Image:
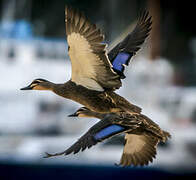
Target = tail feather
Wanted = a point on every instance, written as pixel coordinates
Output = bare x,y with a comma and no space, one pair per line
165,136
155,129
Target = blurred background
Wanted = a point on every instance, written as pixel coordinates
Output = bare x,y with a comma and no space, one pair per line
161,79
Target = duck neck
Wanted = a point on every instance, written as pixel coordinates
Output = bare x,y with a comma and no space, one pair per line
61,90
96,114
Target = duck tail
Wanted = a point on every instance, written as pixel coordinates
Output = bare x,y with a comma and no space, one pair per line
165,136
155,129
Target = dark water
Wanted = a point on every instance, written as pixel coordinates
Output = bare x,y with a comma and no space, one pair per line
35,172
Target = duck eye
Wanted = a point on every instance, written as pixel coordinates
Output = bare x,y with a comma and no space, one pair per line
68,48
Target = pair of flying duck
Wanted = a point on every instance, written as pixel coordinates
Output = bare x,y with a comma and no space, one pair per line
96,74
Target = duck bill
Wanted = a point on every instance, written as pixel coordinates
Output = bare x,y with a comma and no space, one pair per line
27,88
73,115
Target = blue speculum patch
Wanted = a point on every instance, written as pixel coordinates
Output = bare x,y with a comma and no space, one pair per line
121,58
108,131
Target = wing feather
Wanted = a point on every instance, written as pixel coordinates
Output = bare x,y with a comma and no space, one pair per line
90,65
139,149
102,130
93,136
132,42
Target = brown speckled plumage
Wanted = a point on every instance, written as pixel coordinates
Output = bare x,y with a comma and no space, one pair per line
103,102
142,135
96,74
94,79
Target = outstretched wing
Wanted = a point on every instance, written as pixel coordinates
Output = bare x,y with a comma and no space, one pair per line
139,149
91,67
100,131
121,54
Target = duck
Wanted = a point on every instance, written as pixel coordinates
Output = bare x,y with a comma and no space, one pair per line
96,73
142,135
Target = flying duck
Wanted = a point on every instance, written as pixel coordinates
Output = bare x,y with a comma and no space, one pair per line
142,135
96,74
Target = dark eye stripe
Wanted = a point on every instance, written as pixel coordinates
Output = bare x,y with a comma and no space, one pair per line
36,82
83,109
39,81
33,85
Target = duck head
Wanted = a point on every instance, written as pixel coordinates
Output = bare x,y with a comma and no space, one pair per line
39,84
85,112
81,112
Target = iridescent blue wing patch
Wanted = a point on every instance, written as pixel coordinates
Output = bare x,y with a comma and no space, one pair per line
120,60
97,133
108,131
